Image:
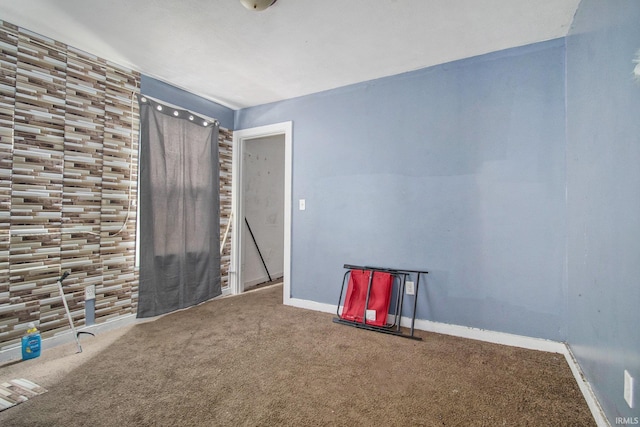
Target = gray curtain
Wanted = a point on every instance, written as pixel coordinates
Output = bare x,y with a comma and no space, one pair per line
179,209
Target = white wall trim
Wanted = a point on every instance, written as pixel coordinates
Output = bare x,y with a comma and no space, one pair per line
486,335
585,388
455,330
236,282
15,352
311,305
495,337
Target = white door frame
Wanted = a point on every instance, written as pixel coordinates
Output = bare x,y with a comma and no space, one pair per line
236,281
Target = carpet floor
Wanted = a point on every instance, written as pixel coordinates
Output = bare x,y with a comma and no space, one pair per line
251,361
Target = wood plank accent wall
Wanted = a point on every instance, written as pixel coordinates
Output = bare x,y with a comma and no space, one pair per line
225,149
68,183
8,65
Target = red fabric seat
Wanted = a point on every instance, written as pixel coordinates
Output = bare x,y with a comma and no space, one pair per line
379,297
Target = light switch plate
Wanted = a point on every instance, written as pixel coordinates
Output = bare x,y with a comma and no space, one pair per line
302,205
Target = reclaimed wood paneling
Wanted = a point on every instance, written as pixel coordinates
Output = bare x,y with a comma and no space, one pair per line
8,66
225,146
119,290
69,125
82,190
36,194
68,183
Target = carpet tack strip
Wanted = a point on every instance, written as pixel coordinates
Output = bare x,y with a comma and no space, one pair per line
17,391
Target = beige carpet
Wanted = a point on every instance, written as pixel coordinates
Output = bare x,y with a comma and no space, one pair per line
250,361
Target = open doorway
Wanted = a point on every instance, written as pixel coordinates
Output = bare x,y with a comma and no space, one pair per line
263,202
251,147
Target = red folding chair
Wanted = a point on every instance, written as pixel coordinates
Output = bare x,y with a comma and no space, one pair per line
377,300
368,297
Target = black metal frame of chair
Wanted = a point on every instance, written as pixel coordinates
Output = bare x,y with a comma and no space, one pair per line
389,328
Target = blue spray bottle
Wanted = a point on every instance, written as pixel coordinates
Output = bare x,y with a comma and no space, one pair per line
31,343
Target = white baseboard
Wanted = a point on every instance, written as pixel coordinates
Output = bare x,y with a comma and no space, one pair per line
15,352
585,388
486,335
454,330
311,305
495,337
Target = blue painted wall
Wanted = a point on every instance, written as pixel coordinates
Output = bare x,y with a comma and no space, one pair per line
187,100
525,214
603,198
458,169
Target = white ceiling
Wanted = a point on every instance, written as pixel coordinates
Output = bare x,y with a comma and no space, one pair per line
239,58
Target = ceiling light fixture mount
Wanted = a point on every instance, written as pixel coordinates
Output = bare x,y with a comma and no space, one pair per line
257,4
